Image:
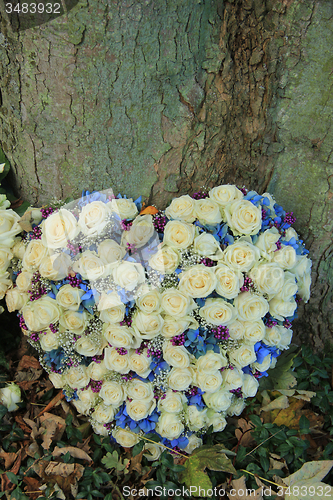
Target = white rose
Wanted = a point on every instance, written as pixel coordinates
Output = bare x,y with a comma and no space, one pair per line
243,217
55,267
177,356
104,413
180,379
304,285
271,200
173,402
198,281
281,309
59,228
268,278
289,288
169,426
216,420
196,419
251,307
129,275
15,299
82,408
267,242
178,234
302,271
33,255
140,363
40,313
193,443
97,371
23,281
236,330
49,341
243,356
98,428
110,251
19,248
290,233
112,393
90,266
218,312
139,409
120,336
149,301
207,211
9,227
264,365
176,326
125,208
57,379
225,194
241,255
147,326
87,398
5,283
254,331
219,400
87,346
232,378
286,336
141,231
250,386
152,451
125,437
5,258
176,303
77,377
74,321
137,389
112,309
69,297
93,218
286,257
10,396
209,382
206,245
236,407
229,282
181,208
115,361
210,362
165,260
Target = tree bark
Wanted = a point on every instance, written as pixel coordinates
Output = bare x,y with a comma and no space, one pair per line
162,97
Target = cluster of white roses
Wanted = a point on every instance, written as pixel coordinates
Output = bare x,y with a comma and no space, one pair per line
160,322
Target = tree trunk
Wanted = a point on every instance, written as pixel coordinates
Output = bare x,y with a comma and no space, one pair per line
162,97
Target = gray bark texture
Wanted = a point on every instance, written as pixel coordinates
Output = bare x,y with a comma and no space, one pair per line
162,97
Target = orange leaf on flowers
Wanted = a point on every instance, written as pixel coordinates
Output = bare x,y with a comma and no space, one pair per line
149,210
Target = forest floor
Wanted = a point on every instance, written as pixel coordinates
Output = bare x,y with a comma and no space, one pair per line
47,451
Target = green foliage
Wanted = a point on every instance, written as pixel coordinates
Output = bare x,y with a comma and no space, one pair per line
281,377
113,461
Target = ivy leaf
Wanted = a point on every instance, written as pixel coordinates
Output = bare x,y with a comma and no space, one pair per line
212,457
281,376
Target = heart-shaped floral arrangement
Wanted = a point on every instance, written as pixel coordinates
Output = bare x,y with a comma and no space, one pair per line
158,321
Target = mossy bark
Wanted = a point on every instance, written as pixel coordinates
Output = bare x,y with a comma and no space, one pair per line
159,98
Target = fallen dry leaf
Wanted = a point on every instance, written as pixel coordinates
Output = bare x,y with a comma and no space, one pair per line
239,490
32,485
20,421
9,458
243,432
6,484
73,451
54,428
135,463
28,362
52,403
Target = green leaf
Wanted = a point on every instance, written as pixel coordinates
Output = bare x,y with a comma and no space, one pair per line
22,208
12,477
111,460
256,420
3,159
137,448
206,456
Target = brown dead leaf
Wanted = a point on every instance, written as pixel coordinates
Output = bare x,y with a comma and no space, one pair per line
19,420
243,433
28,362
59,469
276,462
32,485
135,463
6,484
9,458
52,403
27,219
73,451
266,490
28,376
239,490
291,416
54,428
